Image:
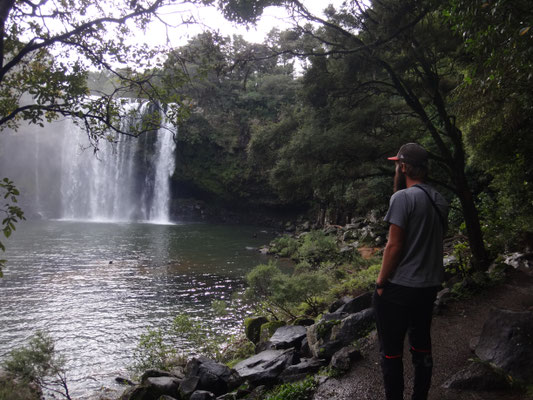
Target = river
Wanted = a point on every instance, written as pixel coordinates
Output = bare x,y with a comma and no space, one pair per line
96,287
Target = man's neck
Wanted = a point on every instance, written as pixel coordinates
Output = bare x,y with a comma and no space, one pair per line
411,182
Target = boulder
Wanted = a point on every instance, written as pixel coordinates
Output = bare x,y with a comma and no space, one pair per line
212,376
265,367
202,395
357,304
154,373
342,359
153,388
330,335
299,371
477,376
252,328
188,386
288,336
506,341
269,328
339,303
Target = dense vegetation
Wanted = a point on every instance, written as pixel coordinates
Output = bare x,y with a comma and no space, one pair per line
454,76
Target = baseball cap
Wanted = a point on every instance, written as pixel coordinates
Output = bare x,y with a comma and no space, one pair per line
411,153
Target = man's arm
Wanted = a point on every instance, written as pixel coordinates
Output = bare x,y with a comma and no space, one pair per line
391,255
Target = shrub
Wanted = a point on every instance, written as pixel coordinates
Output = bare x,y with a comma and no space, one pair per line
39,364
270,290
362,280
285,246
317,246
302,390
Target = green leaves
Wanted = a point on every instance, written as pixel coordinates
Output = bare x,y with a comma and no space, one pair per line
12,213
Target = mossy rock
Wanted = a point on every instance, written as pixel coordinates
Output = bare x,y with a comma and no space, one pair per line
268,329
303,321
252,328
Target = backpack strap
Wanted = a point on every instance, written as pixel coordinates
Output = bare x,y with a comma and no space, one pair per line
441,217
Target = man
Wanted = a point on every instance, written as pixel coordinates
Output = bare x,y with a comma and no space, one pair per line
411,273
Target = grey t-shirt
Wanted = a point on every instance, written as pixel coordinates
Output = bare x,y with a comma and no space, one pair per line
421,260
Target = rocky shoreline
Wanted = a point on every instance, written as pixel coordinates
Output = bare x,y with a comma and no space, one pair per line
338,342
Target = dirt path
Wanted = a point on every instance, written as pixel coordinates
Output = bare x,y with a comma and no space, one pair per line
452,332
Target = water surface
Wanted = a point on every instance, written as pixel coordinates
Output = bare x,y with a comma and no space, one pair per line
96,287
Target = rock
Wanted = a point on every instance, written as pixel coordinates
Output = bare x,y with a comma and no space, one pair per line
166,397
265,367
202,395
153,388
477,376
252,328
506,341
299,371
303,321
188,386
154,373
472,344
443,297
163,385
268,329
330,335
339,303
288,336
124,381
519,260
213,377
342,359
357,304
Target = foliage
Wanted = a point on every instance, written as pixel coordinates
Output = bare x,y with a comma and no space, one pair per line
48,48
302,390
280,295
285,246
360,281
13,390
316,247
160,347
38,363
12,213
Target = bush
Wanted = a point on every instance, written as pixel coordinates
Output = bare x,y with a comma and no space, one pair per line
285,246
362,280
302,390
38,363
317,246
270,290
158,348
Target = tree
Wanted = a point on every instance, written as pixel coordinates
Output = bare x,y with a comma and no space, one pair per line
496,106
404,49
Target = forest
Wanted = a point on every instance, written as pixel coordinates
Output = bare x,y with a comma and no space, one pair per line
302,123
305,121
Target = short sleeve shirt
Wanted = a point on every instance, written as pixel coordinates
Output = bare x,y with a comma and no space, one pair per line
421,259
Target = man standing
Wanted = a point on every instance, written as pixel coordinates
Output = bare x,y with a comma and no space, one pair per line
411,273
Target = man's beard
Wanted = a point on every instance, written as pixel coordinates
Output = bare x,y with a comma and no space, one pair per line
399,180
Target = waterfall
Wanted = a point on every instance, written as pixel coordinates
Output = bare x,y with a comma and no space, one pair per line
61,176
123,181
164,168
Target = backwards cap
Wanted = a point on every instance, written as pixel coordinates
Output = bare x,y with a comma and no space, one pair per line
412,153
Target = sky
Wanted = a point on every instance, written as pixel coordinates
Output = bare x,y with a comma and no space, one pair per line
211,18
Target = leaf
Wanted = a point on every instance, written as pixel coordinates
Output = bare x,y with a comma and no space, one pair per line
525,30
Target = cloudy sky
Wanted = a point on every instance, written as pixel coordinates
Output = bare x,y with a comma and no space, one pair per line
209,18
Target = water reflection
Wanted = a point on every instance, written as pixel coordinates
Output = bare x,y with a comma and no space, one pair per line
97,287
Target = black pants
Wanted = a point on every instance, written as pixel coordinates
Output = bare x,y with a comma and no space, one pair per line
400,310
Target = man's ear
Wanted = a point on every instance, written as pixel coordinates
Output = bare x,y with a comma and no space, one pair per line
403,167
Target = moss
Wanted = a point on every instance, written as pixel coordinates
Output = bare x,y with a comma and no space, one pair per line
252,328
268,329
323,329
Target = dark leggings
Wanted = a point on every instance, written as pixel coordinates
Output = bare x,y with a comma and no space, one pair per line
399,311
